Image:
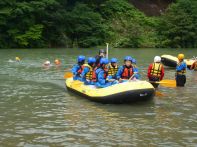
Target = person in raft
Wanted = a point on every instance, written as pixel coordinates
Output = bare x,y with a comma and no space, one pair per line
102,54
88,74
135,68
112,69
181,71
126,71
78,68
101,74
156,71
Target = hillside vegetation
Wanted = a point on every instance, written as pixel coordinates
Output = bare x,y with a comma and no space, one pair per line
88,23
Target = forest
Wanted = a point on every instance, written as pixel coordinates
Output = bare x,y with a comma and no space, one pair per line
90,23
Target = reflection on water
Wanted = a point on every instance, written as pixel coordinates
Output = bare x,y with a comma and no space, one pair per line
37,110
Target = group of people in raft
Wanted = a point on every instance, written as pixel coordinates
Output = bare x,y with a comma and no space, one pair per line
101,72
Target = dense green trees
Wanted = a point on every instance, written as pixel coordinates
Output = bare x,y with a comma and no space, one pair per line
86,23
178,27
84,27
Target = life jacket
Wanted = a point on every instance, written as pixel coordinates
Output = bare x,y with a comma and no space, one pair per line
80,69
89,75
94,74
182,72
105,73
112,70
127,72
156,69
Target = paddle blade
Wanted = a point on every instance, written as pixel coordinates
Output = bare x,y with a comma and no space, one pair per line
168,83
68,75
159,94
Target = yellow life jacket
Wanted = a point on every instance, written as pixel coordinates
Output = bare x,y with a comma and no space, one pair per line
156,69
182,72
90,73
112,70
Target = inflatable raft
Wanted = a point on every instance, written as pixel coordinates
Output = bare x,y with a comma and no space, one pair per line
127,92
171,61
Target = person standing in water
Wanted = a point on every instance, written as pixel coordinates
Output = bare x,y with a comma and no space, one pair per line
156,71
181,71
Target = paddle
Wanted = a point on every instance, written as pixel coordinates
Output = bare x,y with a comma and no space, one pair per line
159,94
107,50
166,83
132,77
68,75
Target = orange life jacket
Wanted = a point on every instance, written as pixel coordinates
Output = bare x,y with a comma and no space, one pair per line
81,69
127,72
94,75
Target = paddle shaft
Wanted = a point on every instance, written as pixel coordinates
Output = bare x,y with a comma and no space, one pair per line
132,77
107,50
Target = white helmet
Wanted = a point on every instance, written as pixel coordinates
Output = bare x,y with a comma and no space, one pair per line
47,63
157,59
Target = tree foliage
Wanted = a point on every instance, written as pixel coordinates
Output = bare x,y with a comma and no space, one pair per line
86,23
178,27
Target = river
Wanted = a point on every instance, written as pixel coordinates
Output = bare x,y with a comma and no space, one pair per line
37,110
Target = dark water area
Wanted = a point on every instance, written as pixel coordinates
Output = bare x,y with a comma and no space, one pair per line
37,110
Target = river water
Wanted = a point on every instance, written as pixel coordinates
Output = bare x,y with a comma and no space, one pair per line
37,110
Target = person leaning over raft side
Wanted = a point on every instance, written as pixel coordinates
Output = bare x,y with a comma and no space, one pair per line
77,69
102,54
112,69
194,66
135,68
156,71
88,74
101,74
126,71
181,71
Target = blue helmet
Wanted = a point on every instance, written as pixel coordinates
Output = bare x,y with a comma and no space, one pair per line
128,58
134,61
91,60
113,60
81,58
104,61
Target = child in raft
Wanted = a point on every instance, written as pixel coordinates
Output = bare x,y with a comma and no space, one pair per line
88,74
126,71
101,75
78,68
112,69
